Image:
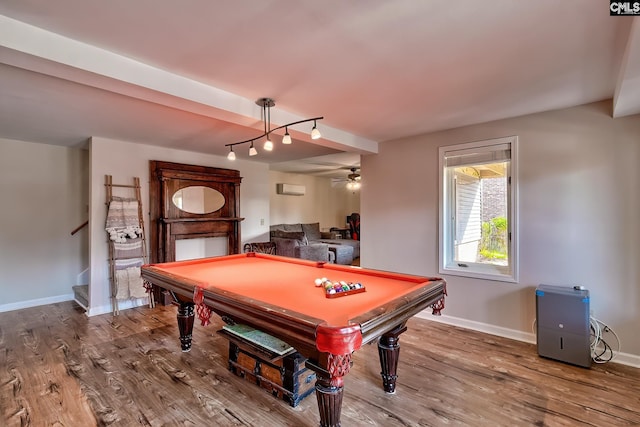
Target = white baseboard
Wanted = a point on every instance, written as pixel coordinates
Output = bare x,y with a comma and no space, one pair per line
627,359
122,305
94,311
35,302
622,358
481,327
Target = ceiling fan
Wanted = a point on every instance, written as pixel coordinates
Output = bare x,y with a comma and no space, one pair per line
353,180
354,175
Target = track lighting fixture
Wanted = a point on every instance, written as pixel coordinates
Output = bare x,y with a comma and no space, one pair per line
268,145
286,139
266,104
315,133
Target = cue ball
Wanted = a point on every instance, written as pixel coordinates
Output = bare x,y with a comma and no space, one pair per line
318,282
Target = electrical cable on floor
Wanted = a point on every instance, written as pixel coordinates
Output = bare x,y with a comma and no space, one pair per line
601,351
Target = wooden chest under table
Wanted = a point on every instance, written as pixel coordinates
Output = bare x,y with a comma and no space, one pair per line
283,375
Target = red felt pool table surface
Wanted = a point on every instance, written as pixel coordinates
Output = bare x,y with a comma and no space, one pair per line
290,284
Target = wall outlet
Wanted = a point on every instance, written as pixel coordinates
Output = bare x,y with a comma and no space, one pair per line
261,221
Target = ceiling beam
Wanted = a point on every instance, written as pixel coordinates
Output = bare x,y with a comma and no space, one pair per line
35,49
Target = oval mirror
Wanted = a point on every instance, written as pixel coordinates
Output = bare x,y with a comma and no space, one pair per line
197,199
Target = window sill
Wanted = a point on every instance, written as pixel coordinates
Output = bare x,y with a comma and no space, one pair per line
475,274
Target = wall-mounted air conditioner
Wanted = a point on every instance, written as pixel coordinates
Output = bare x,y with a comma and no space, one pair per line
290,189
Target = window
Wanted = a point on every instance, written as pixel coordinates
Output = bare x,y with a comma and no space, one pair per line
478,209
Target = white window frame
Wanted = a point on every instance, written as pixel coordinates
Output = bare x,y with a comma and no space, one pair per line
448,265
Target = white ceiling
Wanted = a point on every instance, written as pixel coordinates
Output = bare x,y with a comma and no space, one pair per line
186,74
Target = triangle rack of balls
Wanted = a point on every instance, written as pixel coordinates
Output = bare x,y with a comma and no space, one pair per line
335,289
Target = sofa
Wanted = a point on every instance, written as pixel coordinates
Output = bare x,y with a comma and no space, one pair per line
340,251
294,244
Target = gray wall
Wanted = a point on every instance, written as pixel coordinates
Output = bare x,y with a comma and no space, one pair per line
578,218
44,196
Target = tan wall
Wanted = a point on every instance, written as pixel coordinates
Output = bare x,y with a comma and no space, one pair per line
323,202
124,160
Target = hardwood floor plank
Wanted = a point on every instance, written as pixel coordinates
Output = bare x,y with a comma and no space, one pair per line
60,368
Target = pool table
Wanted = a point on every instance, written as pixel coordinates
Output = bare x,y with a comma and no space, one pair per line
279,296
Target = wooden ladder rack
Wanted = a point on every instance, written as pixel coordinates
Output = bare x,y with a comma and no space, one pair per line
112,253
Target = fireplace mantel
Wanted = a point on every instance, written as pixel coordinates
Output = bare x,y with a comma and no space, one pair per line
170,223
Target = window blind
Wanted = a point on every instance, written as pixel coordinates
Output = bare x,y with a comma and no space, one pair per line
478,155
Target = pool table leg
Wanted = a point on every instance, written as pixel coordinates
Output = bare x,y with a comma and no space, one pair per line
389,352
329,402
186,317
330,387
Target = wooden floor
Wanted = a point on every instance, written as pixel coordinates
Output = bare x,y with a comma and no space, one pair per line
60,368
